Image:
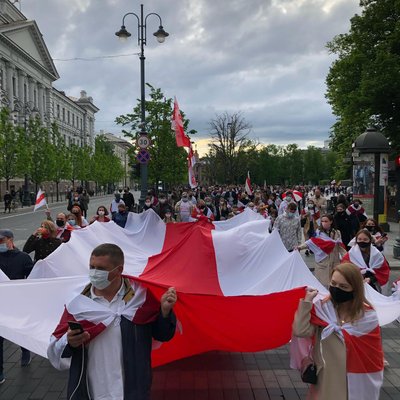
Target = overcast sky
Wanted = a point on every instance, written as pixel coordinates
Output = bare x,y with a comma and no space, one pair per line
265,58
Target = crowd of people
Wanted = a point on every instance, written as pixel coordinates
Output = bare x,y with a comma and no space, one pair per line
325,222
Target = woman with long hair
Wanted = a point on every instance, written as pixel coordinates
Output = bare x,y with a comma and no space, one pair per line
43,241
327,247
80,220
344,336
369,259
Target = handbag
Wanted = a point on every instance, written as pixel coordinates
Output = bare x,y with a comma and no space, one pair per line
308,370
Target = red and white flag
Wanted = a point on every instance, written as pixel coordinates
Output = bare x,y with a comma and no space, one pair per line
40,200
191,162
177,125
247,186
236,296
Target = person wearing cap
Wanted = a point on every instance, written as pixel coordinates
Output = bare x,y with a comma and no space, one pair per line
16,265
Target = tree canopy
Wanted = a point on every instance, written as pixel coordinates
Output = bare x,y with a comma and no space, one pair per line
363,83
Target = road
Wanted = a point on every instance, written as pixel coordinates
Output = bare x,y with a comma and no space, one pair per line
25,220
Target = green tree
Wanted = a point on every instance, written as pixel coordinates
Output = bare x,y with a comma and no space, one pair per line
36,142
9,147
168,162
363,84
107,167
59,163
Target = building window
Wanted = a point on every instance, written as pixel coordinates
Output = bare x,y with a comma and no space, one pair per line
1,79
35,97
65,139
25,93
63,114
14,87
58,111
68,115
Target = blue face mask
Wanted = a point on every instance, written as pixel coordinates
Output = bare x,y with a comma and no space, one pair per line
290,214
3,247
72,222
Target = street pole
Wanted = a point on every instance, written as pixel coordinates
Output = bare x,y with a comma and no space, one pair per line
143,166
160,35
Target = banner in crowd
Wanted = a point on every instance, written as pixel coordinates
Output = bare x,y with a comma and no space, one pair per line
238,287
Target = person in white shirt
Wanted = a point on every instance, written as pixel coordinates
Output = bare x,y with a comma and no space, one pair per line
110,348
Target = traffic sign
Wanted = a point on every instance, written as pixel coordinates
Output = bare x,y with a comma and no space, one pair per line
143,141
143,156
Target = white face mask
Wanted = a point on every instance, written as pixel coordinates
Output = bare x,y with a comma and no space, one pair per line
99,278
101,213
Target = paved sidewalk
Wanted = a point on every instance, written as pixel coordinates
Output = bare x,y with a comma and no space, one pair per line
211,376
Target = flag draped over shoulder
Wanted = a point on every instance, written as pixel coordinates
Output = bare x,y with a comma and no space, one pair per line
232,298
40,200
177,125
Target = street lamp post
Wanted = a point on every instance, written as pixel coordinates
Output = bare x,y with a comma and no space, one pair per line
28,110
123,34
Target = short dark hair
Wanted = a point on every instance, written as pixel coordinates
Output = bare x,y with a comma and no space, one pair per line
292,206
114,252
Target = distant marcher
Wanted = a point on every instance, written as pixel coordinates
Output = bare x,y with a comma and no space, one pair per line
84,199
43,241
80,220
7,198
345,223
128,199
101,215
121,216
289,228
114,204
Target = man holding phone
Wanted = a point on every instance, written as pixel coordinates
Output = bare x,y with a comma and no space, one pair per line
106,332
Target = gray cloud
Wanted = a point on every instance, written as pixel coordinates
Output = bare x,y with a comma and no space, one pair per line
266,58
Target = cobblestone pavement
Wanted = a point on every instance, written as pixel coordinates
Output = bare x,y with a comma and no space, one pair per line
213,376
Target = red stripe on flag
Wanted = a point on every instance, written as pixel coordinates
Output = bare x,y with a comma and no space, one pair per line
187,260
40,198
364,353
238,323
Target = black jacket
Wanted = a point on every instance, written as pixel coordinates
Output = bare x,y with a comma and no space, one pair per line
41,247
16,264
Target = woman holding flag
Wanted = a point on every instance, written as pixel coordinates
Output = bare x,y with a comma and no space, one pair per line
327,247
344,338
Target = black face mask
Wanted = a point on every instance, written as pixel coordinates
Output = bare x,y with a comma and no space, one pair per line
370,228
363,245
340,296
60,223
340,212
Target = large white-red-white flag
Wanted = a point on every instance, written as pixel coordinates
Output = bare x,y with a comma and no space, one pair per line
238,297
247,186
40,200
177,125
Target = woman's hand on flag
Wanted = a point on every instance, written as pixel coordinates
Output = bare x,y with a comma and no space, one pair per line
168,300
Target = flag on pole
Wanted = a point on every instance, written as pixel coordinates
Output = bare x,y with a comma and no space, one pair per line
177,125
40,200
248,185
191,162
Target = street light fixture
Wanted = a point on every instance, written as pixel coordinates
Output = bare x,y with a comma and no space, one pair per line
28,110
123,35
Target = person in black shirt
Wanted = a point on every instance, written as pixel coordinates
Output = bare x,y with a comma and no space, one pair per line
15,264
